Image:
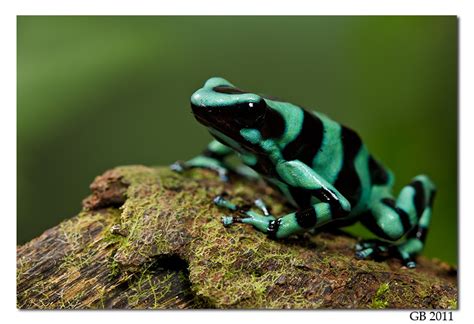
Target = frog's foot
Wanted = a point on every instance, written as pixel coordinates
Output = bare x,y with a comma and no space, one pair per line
202,162
261,222
371,249
380,250
245,215
407,251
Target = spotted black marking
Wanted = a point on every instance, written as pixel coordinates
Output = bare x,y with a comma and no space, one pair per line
348,182
273,227
274,125
378,175
228,90
403,215
308,142
306,218
419,198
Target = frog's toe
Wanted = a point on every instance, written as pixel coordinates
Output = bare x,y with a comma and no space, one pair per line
410,264
262,206
364,253
373,249
380,250
223,177
220,201
221,172
406,258
362,246
178,166
227,220
377,245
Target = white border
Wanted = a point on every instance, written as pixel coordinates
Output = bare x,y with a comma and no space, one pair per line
218,7
240,7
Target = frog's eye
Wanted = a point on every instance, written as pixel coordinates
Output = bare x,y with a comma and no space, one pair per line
250,114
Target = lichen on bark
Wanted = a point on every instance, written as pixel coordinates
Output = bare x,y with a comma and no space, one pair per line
151,238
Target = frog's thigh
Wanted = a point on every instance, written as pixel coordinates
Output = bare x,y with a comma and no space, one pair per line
391,219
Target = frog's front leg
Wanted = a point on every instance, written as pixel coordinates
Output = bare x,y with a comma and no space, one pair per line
292,223
212,158
303,179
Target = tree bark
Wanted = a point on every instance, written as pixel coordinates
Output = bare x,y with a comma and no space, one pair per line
151,238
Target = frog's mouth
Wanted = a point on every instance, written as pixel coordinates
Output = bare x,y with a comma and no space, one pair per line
216,117
204,115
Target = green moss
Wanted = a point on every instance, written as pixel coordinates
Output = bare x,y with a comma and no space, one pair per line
379,301
453,303
149,288
22,266
114,269
71,303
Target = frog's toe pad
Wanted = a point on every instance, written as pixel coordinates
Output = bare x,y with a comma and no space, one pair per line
364,253
373,249
178,166
410,264
227,220
407,259
222,202
223,176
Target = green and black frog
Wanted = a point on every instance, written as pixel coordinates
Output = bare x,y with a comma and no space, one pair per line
322,167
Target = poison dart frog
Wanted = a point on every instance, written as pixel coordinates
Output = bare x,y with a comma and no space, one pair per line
322,168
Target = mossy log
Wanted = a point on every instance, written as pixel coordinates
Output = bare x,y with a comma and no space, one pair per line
151,238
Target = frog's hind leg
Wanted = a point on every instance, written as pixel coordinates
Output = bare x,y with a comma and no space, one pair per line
409,215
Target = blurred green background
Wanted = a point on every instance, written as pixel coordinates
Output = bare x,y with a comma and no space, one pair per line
98,92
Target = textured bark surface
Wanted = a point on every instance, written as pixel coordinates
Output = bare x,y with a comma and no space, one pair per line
151,238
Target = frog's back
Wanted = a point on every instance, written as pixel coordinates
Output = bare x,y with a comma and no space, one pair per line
334,151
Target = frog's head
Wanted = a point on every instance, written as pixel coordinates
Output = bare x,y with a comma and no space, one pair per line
221,106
